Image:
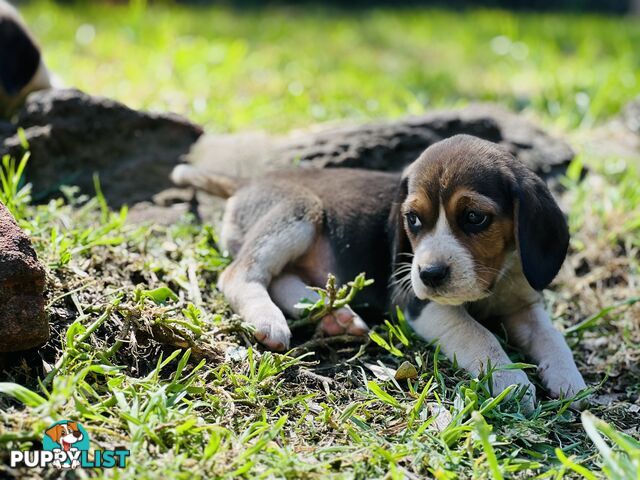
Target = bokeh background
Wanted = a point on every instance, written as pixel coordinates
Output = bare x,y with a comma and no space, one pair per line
251,65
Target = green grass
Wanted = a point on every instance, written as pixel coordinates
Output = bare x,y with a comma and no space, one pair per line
147,355
289,67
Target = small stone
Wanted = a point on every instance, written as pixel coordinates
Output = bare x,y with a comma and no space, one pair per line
406,371
235,354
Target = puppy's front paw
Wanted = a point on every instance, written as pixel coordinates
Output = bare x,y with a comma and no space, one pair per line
343,320
501,379
271,328
562,381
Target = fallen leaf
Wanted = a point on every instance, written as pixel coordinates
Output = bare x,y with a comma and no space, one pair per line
442,416
383,373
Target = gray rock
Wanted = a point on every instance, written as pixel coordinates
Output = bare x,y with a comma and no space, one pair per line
394,144
389,145
72,135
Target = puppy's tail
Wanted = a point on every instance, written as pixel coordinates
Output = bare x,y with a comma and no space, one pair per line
219,185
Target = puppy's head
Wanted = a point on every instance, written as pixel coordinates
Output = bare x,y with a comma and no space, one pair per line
464,206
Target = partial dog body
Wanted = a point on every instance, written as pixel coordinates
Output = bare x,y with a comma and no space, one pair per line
465,234
22,69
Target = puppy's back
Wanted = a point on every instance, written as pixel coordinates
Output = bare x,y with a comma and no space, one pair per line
357,205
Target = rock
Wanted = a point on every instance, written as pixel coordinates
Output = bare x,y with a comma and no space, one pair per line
23,322
393,145
73,135
388,145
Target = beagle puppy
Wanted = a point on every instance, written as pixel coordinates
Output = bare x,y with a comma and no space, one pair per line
22,70
465,234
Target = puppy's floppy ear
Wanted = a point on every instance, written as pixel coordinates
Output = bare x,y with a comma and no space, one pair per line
541,233
55,433
19,56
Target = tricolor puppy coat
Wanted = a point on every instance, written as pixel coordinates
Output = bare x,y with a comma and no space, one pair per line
465,234
21,67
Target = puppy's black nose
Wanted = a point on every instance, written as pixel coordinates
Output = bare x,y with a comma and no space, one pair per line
77,434
434,275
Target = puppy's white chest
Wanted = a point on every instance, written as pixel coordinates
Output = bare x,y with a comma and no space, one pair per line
510,294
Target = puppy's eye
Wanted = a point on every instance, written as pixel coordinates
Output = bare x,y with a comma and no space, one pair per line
413,222
474,221
475,218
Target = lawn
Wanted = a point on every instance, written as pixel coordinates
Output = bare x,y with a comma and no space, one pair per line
146,354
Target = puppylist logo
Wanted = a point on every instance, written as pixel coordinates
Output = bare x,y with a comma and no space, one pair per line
66,445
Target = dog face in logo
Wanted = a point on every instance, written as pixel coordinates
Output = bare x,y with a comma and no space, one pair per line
66,435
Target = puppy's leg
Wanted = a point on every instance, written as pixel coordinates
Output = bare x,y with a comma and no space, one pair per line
279,237
288,289
473,346
532,331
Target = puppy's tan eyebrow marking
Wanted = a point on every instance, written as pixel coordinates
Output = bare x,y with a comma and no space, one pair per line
470,198
417,203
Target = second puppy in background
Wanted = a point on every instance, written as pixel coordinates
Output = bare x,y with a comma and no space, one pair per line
22,69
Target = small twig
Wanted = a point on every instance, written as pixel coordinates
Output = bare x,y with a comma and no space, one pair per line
303,372
331,299
326,382
327,341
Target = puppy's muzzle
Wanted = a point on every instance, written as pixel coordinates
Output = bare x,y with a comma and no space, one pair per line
435,275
